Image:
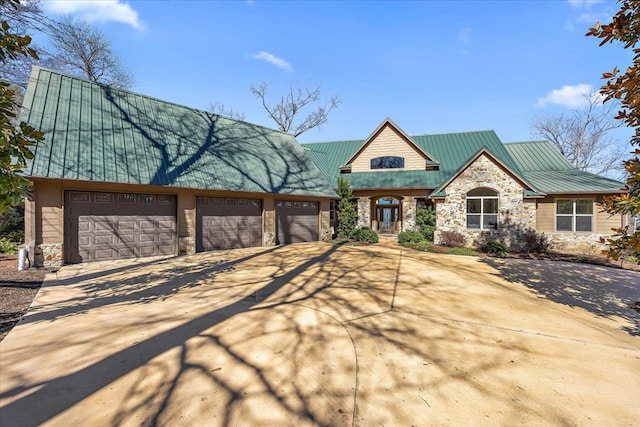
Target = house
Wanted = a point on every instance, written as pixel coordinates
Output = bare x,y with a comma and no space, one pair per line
479,187
123,175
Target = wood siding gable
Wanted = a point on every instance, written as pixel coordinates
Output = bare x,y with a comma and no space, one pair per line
389,140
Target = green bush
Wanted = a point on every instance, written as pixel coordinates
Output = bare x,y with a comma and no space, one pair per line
495,248
346,211
410,238
426,222
463,251
367,235
423,246
8,246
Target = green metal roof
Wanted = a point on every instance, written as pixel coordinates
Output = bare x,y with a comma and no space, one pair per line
537,156
98,133
550,172
452,151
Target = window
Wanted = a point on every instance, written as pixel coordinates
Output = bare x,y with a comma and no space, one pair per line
574,214
482,209
387,162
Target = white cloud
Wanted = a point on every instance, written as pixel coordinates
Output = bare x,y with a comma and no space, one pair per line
583,4
96,11
272,59
575,96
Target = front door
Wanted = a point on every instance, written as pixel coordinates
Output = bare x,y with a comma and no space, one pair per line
386,219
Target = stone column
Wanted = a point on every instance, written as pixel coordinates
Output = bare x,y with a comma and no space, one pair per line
364,212
325,221
269,232
408,214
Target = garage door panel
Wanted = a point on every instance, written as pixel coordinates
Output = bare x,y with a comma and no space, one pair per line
108,239
104,226
228,223
296,221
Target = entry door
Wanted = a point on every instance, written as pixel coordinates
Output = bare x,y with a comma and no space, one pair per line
386,219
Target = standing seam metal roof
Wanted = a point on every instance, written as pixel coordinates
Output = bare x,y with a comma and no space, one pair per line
98,133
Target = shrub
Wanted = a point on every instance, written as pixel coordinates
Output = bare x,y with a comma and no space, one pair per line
452,239
367,235
463,251
410,238
534,242
8,246
423,246
346,212
426,222
495,248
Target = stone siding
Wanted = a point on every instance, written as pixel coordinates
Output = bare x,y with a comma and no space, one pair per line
186,245
408,214
516,215
576,243
47,255
269,239
364,212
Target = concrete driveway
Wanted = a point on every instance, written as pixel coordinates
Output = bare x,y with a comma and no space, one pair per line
314,334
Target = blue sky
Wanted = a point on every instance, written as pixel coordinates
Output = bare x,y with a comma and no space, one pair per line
432,67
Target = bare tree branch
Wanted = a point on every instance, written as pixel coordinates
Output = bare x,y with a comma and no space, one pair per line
223,110
82,50
286,112
583,137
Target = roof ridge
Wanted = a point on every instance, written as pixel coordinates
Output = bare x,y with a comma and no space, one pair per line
153,98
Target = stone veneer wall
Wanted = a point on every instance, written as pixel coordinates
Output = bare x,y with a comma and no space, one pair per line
576,243
47,255
364,212
186,245
516,215
408,214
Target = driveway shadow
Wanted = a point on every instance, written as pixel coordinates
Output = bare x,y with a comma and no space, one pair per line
604,291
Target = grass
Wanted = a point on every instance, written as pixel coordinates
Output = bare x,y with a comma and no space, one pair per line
463,251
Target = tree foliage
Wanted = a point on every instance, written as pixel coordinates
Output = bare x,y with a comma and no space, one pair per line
346,211
22,17
426,222
583,136
286,113
16,141
624,29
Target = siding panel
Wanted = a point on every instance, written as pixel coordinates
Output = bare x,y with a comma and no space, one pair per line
389,143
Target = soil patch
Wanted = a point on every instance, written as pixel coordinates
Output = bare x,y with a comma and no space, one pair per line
17,291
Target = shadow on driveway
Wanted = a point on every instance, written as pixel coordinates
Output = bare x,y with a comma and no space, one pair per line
606,292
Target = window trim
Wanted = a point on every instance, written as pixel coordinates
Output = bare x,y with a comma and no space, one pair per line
482,213
574,215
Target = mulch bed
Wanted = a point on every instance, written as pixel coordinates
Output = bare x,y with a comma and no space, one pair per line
17,291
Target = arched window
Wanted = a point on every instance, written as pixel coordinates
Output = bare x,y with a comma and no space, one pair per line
482,209
387,162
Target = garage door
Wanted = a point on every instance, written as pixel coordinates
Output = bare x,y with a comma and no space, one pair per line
102,226
296,221
228,223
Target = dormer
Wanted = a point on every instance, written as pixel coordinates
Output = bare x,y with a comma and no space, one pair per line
389,148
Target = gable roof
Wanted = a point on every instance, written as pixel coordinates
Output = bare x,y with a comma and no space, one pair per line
550,172
452,150
98,133
389,123
439,192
